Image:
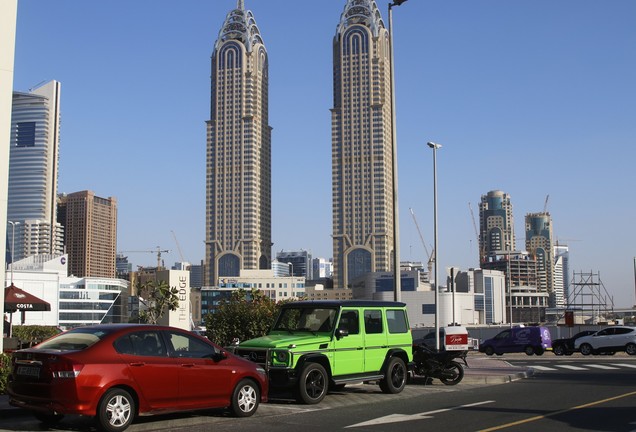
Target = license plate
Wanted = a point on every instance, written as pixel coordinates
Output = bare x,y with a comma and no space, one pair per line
28,371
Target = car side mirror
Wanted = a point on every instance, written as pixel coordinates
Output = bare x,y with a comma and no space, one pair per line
221,355
341,332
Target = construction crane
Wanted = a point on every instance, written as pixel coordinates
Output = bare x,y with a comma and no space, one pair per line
472,217
545,204
178,246
431,258
158,251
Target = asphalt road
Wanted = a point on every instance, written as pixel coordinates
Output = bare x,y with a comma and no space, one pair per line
590,394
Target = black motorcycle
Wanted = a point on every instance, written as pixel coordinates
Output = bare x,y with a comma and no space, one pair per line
429,363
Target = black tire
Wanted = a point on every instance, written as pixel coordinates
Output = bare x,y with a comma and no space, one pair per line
116,410
394,377
539,351
558,350
529,350
489,351
457,370
245,398
312,384
48,419
586,349
630,349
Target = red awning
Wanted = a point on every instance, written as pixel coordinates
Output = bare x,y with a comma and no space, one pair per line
16,299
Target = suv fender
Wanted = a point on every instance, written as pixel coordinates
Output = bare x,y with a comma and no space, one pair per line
313,358
396,352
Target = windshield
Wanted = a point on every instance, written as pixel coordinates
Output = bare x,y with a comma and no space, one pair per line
73,340
306,319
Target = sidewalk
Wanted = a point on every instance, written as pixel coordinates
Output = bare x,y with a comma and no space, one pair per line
480,370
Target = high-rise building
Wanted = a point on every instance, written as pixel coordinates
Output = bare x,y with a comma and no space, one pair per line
361,137
299,263
238,175
33,171
90,233
496,224
539,245
562,272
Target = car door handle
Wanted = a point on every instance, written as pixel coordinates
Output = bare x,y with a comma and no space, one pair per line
188,365
138,364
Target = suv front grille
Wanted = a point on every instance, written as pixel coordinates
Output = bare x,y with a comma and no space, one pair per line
256,355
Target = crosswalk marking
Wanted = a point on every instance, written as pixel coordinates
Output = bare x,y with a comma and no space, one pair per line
600,366
628,365
543,368
572,367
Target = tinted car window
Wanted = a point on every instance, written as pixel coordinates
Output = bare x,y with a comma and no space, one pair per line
73,340
349,321
605,332
372,321
147,343
396,319
188,346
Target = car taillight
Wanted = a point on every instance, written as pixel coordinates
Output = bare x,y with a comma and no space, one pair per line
64,368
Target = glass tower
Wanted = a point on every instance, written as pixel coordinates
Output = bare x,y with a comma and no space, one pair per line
238,174
33,171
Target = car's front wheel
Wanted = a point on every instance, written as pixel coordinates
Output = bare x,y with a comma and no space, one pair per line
529,350
489,351
394,377
586,349
116,410
312,384
558,350
245,398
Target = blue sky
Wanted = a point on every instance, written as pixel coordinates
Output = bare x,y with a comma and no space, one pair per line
534,98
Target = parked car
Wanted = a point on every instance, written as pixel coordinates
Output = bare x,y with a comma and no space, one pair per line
531,340
316,346
608,341
116,372
565,346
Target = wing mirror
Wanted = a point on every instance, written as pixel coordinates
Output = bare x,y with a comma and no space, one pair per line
341,332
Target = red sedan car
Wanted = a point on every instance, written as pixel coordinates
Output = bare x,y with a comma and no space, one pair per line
115,372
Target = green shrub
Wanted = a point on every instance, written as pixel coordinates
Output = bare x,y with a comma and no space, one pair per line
5,365
33,334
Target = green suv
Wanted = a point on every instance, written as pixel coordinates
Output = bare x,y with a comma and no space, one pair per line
319,345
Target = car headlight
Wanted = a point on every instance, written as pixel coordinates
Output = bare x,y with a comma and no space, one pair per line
281,358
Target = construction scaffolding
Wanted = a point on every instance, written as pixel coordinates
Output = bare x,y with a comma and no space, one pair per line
588,299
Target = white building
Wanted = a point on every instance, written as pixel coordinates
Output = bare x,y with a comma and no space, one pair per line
276,288
74,301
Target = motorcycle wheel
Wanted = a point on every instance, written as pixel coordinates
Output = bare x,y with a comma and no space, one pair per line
457,372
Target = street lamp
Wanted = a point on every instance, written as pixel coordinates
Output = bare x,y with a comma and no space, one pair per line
435,146
13,224
396,228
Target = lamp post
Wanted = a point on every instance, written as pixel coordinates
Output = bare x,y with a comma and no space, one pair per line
508,253
13,224
394,181
435,147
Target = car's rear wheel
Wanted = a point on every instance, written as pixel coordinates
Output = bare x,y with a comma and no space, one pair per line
558,350
312,384
395,376
586,349
630,349
245,398
529,350
116,410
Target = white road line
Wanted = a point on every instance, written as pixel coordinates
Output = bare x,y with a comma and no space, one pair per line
396,418
600,366
627,365
543,368
572,367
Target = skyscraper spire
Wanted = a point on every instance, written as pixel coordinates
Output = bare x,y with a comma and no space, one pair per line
240,5
240,25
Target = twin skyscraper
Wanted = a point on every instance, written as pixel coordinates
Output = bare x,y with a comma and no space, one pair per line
238,178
